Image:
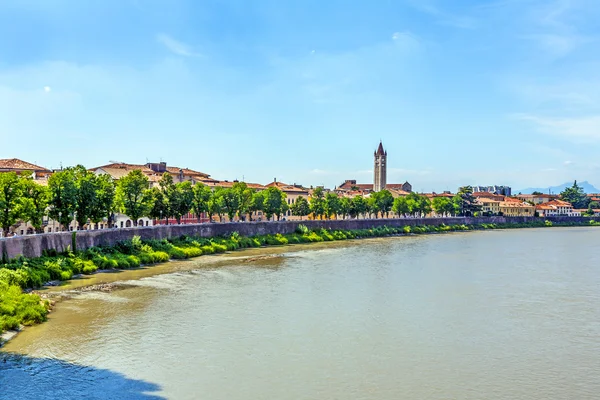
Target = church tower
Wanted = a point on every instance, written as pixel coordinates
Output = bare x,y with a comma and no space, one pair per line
380,169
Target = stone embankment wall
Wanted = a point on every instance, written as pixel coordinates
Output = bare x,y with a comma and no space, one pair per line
34,245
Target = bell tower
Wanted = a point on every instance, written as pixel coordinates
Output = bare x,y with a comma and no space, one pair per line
380,169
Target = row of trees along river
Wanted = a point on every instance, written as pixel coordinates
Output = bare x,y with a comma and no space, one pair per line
76,194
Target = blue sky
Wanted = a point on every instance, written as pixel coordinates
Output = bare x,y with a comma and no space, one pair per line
460,92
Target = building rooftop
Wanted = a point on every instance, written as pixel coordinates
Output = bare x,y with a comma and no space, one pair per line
15,164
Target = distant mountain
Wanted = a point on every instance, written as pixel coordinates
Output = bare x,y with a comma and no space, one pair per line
587,188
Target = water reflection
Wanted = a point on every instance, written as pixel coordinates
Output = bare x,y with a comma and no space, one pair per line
48,379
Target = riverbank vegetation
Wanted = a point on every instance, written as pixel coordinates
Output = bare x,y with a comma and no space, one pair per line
80,197
17,277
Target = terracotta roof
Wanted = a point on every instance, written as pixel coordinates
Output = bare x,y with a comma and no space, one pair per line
395,185
119,170
537,196
284,187
186,172
399,192
229,184
515,204
14,164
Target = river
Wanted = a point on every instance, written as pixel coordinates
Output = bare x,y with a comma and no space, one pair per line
480,315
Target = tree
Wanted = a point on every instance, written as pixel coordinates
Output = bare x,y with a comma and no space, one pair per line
443,205
202,195
284,206
382,202
400,206
358,207
35,203
216,204
231,202
182,198
11,192
133,195
159,207
273,203
87,204
465,202
317,203
106,198
167,187
245,195
345,207
332,205
257,203
300,208
576,196
63,196
536,193
372,207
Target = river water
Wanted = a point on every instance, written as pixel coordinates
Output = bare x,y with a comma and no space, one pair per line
480,315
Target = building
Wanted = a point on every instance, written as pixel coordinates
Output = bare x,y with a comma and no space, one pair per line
154,171
536,199
496,189
379,178
380,168
39,174
556,208
489,206
293,192
516,209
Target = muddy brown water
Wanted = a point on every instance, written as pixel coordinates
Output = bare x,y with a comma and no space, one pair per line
480,315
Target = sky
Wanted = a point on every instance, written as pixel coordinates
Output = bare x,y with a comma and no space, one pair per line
460,92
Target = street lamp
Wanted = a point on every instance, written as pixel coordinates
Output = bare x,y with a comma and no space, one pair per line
60,220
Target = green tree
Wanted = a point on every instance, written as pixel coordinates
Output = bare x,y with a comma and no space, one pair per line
418,204
273,203
465,203
158,204
300,208
245,195
105,197
87,204
35,198
257,203
382,202
182,199
231,201
345,207
133,196
443,205
576,196
400,206
216,204
11,192
359,206
63,196
372,206
317,203
332,205
167,187
202,195
536,193
285,207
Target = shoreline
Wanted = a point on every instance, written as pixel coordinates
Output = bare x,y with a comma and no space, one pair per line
64,290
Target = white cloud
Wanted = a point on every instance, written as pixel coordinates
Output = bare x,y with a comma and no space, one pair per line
578,129
47,89
567,163
175,46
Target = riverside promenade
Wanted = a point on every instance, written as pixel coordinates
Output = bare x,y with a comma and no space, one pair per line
34,245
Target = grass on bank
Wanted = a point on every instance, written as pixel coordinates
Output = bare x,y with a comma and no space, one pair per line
19,308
